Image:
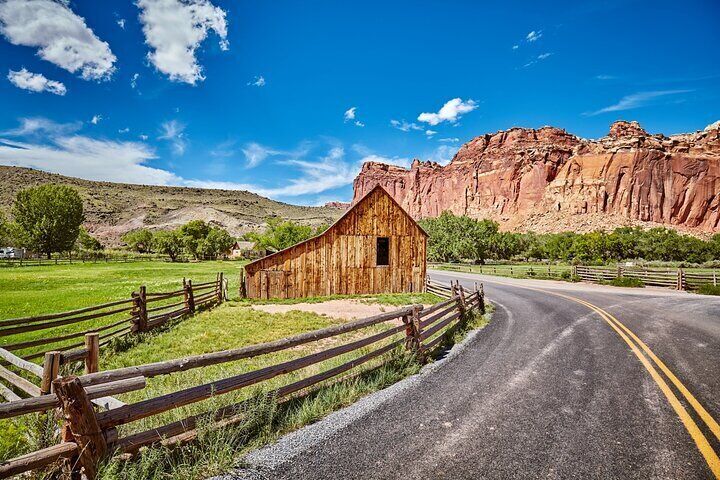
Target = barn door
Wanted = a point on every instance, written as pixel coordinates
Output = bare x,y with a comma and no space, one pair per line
273,284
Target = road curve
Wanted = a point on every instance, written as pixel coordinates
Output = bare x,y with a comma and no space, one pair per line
550,389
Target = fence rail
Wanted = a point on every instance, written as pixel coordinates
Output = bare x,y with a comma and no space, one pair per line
681,279
417,329
50,340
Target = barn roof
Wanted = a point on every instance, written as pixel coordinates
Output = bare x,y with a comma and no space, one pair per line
347,212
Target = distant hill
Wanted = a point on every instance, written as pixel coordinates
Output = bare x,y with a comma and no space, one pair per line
111,209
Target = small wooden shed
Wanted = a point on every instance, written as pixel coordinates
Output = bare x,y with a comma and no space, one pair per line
375,247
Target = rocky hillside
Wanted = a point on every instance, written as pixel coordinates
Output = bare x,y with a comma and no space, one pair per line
112,209
549,180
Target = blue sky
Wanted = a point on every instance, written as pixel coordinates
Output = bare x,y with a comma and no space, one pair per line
288,98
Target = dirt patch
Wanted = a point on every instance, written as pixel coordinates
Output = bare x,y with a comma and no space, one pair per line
347,309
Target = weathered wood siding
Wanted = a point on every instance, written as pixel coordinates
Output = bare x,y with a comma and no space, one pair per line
342,260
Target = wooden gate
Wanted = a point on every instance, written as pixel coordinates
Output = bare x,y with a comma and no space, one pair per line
273,284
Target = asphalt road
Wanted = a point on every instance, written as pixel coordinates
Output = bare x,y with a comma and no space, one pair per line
548,390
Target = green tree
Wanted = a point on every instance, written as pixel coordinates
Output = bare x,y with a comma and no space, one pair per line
193,233
49,217
168,242
217,241
140,240
4,230
87,242
281,234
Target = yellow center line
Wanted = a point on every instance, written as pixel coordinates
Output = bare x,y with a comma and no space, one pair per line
626,334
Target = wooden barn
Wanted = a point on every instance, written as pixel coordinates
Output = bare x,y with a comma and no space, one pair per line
375,247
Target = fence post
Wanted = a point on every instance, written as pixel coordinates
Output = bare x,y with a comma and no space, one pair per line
242,289
51,369
413,340
481,298
190,297
680,279
714,279
220,287
463,305
140,310
82,424
92,358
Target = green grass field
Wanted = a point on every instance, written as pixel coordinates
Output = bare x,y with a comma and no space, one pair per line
38,290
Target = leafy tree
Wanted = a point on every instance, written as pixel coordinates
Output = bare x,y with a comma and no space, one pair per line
140,240
217,241
168,242
459,237
49,217
281,234
4,230
193,233
87,242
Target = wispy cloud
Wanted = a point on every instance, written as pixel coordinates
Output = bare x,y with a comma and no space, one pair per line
257,82
42,127
450,112
442,154
96,119
349,114
405,126
537,59
515,47
121,23
60,36
637,100
174,132
449,140
605,77
133,80
533,36
430,133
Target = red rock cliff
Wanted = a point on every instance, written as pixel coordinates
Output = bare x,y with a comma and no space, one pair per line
550,180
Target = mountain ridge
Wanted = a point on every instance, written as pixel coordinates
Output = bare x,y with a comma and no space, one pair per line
548,180
112,209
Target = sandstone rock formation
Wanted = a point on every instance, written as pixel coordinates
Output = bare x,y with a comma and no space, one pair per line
549,180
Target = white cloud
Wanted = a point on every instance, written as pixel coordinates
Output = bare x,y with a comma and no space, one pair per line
637,100
61,36
405,126
121,23
712,126
358,123
174,29
450,112
533,36
124,130
133,80
143,137
257,81
350,114
515,47
539,58
449,140
96,119
42,127
255,153
35,82
174,132
88,158
442,154
430,133
605,77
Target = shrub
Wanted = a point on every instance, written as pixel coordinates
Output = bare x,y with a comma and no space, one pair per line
709,290
626,282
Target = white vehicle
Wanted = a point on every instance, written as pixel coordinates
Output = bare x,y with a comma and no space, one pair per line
10,252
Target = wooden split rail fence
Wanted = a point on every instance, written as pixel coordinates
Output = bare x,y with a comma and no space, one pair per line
679,279
93,435
78,335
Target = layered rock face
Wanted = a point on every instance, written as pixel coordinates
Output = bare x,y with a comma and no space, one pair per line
549,180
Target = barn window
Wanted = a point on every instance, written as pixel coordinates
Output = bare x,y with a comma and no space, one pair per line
383,252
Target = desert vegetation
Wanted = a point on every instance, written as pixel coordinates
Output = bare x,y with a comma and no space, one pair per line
454,238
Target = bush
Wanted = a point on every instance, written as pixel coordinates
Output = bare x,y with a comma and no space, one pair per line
709,290
626,282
